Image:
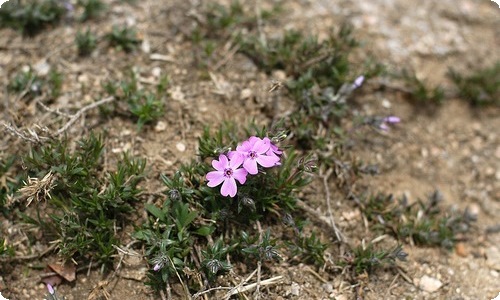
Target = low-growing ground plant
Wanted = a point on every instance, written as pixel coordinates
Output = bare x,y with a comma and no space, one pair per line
29,85
30,17
145,106
481,87
420,91
368,259
255,182
124,38
77,205
92,9
421,223
86,42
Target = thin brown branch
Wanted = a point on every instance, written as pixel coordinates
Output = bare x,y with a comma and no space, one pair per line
80,112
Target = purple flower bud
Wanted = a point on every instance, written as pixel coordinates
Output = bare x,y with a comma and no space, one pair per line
384,127
50,288
392,120
157,267
358,81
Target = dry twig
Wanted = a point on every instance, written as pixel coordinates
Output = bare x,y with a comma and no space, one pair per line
338,233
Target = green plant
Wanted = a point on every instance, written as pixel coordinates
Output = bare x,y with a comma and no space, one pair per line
6,249
26,81
87,204
481,87
30,85
86,42
145,106
92,9
420,91
9,182
124,38
424,223
308,249
30,17
367,259
197,214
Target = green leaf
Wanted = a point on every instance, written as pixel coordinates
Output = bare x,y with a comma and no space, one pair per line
205,230
155,211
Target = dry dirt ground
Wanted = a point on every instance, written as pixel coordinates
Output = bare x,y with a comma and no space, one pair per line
454,149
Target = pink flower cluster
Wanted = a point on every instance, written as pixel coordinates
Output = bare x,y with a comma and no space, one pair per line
236,165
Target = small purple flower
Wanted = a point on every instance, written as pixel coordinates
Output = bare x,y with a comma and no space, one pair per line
358,82
255,151
273,149
157,267
227,171
50,289
384,125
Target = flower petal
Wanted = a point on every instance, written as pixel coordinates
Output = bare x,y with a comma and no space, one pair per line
267,161
220,164
240,175
251,166
229,187
215,178
236,160
261,147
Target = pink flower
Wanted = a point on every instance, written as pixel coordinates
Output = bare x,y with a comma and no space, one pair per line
273,149
384,125
255,151
358,82
227,171
50,289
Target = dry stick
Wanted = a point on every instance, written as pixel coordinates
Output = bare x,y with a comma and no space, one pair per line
338,233
162,295
29,257
82,110
211,290
55,111
227,57
229,294
259,264
269,281
33,139
258,14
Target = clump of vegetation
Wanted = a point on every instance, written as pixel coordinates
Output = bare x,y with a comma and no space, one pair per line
84,205
92,9
480,88
421,223
86,42
197,212
368,259
124,38
420,91
29,85
144,105
30,17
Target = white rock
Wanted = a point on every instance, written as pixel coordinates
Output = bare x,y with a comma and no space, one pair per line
245,94
42,68
156,72
295,289
146,46
430,284
160,126
386,103
180,146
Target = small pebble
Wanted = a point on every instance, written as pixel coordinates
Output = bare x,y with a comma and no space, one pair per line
160,126
429,284
180,146
461,250
295,289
